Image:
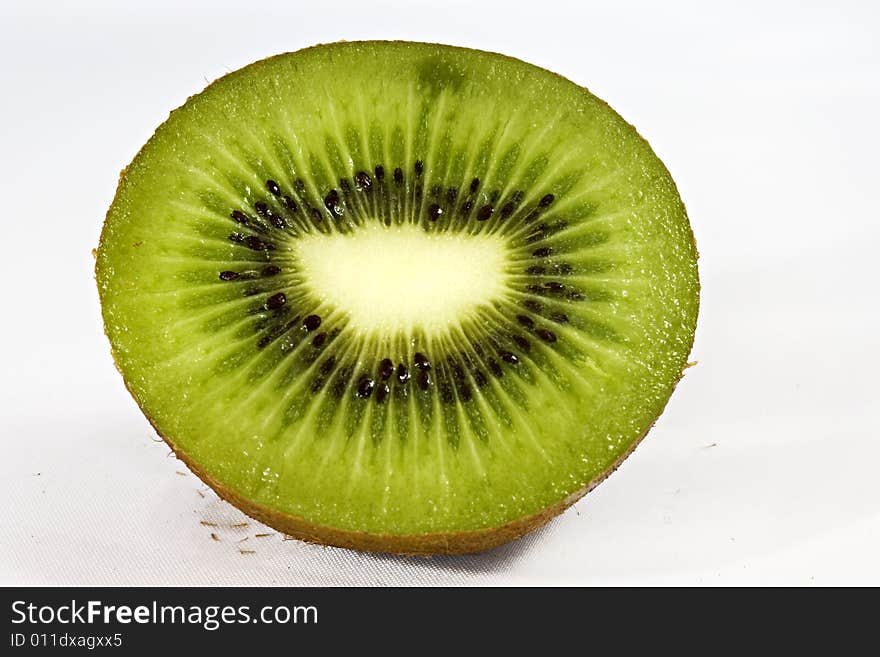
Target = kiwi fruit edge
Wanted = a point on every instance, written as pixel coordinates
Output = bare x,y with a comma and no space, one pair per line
469,540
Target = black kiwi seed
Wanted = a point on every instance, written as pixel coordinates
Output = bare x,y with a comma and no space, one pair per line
475,184
531,216
257,244
553,286
402,373
276,301
536,270
525,320
240,217
363,181
508,357
485,212
543,252
398,176
534,306
344,185
521,342
271,270
508,209
382,391
228,275
380,172
546,200
319,340
262,209
421,361
559,318
316,215
545,335
365,387
434,212
464,392
290,204
495,368
331,201
423,380
466,208
420,166
386,368
451,194
273,188
311,323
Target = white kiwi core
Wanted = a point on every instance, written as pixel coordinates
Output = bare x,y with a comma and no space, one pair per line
399,278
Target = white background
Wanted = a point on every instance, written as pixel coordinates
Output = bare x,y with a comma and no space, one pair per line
763,470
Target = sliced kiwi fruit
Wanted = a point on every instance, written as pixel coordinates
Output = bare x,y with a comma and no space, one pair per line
398,297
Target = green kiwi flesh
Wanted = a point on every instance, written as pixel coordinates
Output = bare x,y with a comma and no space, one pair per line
397,296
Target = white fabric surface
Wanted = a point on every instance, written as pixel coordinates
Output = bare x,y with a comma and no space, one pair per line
762,470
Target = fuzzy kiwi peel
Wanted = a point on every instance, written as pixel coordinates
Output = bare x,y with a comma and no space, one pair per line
398,297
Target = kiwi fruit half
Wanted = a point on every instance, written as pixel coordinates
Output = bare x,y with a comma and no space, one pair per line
398,297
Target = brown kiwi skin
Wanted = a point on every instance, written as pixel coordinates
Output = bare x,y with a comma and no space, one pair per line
463,542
